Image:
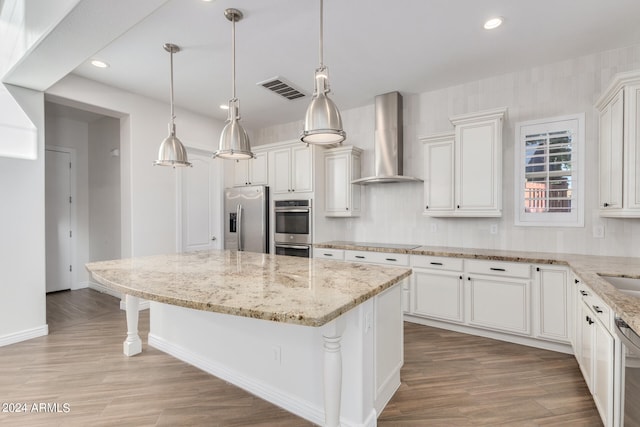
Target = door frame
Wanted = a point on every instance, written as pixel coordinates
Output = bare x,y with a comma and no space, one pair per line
179,196
72,210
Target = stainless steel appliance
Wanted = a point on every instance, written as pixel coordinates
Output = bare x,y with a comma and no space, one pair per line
293,220
630,409
246,218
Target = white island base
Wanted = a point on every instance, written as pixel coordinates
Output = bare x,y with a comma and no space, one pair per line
342,373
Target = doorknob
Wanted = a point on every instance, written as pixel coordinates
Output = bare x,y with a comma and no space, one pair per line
214,238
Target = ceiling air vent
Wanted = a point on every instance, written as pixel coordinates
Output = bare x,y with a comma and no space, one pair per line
282,88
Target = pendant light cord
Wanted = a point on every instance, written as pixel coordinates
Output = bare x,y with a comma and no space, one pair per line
173,116
321,35
233,58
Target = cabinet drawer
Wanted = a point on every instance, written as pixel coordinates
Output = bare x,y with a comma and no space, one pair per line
377,257
499,268
436,263
335,254
599,308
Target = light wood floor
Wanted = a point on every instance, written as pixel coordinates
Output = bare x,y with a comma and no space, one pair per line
449,379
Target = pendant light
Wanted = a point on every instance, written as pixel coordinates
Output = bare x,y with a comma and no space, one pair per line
234,141
172,152
322,124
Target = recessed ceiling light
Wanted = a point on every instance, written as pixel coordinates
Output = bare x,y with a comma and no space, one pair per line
98,63
223,106
493,23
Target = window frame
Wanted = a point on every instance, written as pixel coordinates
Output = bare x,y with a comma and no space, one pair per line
575,218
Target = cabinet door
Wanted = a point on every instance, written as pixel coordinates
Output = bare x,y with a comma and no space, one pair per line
337,184
553,308
301,167
258,170
281,171
585,356
499,303
602,389
241,173
632,166
438,294
478,167
439,176
611,159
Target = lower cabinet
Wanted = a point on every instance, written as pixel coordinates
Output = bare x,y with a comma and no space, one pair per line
553,303
596,351
500,303
438,294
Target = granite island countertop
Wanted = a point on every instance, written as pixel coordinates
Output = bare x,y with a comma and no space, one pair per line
588,268
303,291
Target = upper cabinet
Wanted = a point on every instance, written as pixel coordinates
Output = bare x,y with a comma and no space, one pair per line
341,166
463,169
619,151
291,168
252,171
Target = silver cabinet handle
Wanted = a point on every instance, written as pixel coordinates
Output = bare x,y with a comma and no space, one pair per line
620,325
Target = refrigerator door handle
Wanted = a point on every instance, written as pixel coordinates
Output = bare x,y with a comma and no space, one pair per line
239,225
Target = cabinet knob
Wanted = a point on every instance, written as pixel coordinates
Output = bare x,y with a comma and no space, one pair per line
597,309
426,207
606,205
576,281
458,206
346,209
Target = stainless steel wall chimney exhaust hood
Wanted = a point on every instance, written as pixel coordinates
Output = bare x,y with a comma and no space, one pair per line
387,146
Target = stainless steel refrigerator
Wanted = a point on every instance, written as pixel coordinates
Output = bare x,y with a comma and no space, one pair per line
246,218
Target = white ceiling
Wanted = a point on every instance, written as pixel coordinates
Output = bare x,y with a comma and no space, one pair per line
371,47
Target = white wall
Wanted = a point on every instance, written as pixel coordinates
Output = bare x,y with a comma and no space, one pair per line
148,193
104,190
392,212
22,246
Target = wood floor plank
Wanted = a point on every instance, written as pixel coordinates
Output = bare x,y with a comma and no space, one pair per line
449,379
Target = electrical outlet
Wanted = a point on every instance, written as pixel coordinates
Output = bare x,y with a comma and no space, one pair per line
598,231
493,229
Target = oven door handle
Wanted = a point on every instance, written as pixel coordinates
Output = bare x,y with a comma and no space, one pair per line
279,245
621,324
239,225
293,210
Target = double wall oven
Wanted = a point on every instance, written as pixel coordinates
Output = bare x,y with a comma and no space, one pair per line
293,219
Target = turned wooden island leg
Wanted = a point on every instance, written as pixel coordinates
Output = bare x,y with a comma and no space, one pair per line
133,344
332,334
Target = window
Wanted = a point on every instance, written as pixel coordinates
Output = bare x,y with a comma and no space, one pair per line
549,172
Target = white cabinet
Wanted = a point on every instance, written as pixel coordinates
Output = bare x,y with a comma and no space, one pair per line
439,174
499,296
597,353
328,253
619,151
252,171
341,166
464,178
553,303
437,290
291,169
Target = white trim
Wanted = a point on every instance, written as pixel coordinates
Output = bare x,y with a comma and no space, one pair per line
24,335
264,391
576,217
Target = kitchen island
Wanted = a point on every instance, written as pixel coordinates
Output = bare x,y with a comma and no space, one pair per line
321,340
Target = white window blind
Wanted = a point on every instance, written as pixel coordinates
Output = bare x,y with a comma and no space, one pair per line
549,163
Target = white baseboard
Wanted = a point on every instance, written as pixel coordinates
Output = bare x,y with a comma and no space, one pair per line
80,285
24,335
264,391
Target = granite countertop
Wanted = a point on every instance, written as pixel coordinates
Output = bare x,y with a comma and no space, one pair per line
287,289
587,267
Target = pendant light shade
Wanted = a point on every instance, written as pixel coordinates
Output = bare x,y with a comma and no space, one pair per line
172,152
234,141
322,124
